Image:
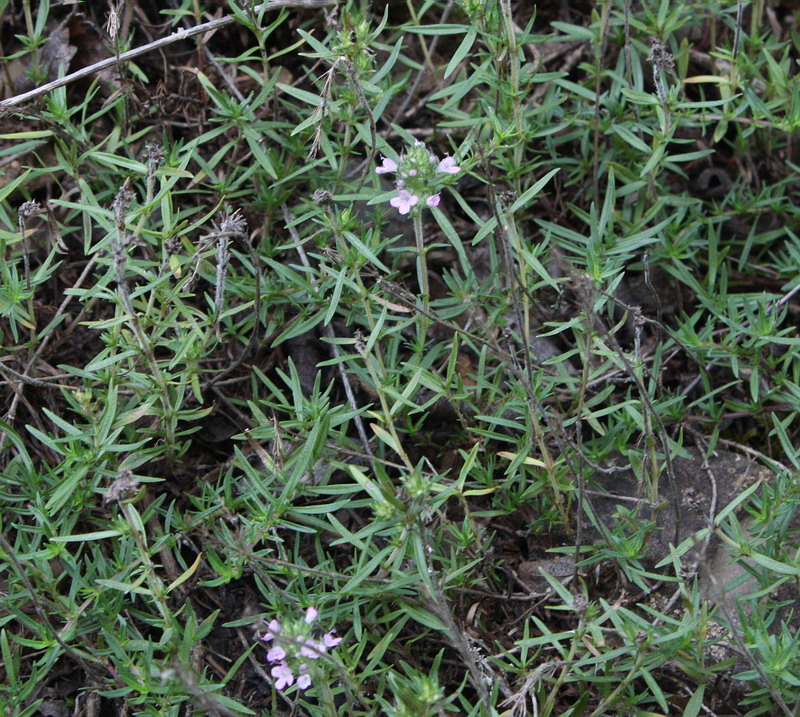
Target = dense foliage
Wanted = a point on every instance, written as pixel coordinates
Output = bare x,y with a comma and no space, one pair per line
372,358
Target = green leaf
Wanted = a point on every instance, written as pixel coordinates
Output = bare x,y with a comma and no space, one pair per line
254,142
654,159
436,29
630,138
114,161
31,134
303,95
365,251
531,192
461,52
776,566
574,32
655,689
422,616
82,537
365,571
695,703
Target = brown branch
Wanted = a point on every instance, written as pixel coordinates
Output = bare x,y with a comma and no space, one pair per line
144,49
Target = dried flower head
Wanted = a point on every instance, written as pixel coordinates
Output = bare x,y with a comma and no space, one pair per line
322,196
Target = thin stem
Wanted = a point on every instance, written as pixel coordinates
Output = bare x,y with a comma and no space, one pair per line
36,69
737,35
422,278
509,228
155,584
604,20
516,100
25,211
412,11
623,684
378,382
120,243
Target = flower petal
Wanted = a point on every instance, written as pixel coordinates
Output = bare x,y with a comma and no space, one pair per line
448,166
404,201
276,654
273,628
388,165
330,640
282,674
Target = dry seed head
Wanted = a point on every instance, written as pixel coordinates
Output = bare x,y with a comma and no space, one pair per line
28,209
661,58
360,346
124,487
322,196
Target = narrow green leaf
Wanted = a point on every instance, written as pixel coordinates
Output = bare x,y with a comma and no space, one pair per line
695,703
82,537
461,52
113,160
303,95
531,192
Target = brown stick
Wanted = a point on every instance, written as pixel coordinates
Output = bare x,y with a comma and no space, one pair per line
137,51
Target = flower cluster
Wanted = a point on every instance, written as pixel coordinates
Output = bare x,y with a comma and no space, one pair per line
419,175
292,645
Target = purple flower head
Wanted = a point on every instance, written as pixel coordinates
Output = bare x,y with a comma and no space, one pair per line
388,165
448,166
404,201
419,179
282,675
295,642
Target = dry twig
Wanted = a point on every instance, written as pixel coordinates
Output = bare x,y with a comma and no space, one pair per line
144,49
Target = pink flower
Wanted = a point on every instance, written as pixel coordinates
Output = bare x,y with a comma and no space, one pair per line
273,628
404,201
389,165
448,166
282,675
330,641
434,200
294,646
276,654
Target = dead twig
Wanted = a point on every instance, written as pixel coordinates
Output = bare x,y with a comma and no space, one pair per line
176,36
